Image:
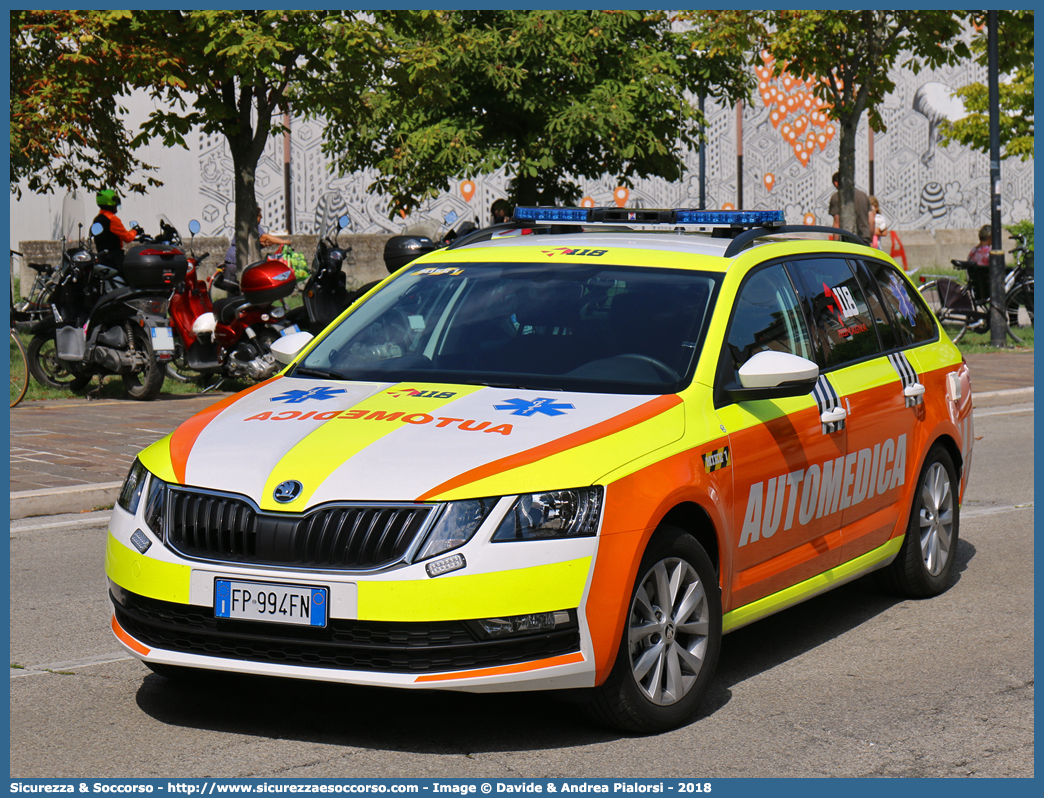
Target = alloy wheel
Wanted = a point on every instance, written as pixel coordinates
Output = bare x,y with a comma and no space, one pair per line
668,631
936,519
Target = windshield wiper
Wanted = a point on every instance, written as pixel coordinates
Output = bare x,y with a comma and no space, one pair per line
509,385
304,371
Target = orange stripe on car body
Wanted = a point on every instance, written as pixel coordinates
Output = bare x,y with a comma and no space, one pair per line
603,429
522,667
126,639
184,437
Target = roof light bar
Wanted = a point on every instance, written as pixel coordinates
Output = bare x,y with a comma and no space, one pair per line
649,216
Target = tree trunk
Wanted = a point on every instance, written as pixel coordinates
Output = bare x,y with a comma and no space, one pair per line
846,166
526,190
248,244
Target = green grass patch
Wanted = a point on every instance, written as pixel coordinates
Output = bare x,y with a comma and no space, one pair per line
975,343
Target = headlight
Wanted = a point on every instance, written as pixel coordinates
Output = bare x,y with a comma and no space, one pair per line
157,307
155,504
457,524
130,493
555,514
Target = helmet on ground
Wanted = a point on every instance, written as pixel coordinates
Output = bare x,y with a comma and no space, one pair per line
107,198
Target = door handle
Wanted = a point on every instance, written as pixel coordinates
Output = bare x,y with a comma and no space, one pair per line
831,416
911,391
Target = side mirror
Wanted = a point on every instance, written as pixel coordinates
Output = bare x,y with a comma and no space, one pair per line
194,227
286,348
773,375
450,217
96,229
132,225
343,222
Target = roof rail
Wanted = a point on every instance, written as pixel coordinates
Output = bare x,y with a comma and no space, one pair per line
747,237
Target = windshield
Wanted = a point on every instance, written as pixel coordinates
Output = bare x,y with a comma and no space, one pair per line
576,328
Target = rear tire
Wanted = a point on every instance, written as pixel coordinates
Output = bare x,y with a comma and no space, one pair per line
671,640
924,565
144,385
48,370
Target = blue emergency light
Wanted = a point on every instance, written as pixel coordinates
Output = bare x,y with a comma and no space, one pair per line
650,216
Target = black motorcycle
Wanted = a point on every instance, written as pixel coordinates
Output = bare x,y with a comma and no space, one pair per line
325,293
95,328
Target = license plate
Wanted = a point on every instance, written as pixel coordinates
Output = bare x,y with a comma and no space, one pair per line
264,601
162,339
290,330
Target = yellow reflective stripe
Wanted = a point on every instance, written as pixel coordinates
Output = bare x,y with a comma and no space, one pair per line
331,444
145,576
744,415
938,355
864,376
542,588
156,458
795,594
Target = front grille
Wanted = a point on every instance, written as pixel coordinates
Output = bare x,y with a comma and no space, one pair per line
349,645
229,529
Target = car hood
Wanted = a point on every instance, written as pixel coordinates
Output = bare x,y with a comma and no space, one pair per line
366,441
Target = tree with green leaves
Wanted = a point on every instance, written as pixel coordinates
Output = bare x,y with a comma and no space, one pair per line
846,56
550,96
1015,56
231,73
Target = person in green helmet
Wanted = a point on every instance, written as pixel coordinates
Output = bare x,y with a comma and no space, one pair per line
114,235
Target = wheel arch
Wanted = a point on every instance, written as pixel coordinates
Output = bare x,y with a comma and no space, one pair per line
694,519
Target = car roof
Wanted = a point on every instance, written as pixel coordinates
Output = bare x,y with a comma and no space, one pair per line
653,248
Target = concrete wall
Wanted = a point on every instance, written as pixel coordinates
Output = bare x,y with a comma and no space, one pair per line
365,262
925,250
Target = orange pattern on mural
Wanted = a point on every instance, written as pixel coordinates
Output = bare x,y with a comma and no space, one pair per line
801,118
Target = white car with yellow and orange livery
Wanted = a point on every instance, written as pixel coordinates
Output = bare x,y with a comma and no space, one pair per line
567,454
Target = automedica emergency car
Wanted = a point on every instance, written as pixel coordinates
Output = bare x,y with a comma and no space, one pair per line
566,454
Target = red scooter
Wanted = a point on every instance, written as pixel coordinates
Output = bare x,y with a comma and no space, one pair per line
232,336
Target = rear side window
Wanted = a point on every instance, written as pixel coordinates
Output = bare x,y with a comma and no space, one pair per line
767,316
909,314
846,327
882,318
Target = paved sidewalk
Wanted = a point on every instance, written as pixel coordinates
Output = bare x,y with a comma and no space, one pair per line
71,455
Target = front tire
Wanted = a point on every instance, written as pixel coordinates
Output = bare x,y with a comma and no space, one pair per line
144,385
671,640
48,370
925,563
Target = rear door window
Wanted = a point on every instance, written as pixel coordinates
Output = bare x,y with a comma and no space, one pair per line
909,313
843,320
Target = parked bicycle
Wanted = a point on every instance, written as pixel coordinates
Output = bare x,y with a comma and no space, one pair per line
966,306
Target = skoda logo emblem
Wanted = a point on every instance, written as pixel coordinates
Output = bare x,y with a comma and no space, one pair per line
286,492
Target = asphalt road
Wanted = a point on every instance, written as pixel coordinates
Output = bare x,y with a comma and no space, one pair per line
850,684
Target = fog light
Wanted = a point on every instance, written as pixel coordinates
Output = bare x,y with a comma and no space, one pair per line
444,566
520,624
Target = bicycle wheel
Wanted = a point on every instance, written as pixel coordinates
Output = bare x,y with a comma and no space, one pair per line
954,322
19,369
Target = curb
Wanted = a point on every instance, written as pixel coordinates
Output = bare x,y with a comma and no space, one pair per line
74,499
81,498
1011,396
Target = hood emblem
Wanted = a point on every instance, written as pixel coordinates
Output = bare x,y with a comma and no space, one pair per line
286,492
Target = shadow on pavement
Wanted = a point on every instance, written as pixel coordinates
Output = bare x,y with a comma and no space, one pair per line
444,722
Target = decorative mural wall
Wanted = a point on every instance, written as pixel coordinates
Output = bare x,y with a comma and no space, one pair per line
790,152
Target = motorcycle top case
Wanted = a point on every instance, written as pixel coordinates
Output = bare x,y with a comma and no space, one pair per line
400,250
147,265
267,281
